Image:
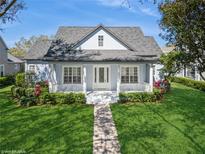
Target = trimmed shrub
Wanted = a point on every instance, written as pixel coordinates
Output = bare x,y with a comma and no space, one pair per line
47,98
20,80
18,92
139,97
70,98
29,92
189,82
7,80
27,101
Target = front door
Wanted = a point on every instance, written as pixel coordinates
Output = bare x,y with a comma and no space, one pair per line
101,77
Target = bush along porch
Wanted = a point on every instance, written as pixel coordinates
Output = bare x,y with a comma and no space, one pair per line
160,88
29,93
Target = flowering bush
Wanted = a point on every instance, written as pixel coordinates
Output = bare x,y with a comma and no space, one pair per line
37,90
162,85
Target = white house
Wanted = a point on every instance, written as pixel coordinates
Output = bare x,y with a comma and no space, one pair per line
188,71
96,59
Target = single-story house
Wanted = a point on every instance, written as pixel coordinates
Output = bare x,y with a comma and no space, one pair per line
9,64
83,59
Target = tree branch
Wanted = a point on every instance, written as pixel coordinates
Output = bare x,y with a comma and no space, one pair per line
8,7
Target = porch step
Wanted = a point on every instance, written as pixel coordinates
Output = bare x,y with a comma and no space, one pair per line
101,97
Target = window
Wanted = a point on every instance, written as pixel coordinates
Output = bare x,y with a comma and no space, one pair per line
31,68
100,40
1,70
72,75
16,66
129,75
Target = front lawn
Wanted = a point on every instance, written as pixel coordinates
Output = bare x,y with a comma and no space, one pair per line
177,125
45,129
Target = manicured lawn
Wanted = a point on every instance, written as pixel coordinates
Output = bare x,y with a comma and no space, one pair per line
45,129
177,125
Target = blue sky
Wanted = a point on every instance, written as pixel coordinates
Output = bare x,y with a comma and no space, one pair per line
45,16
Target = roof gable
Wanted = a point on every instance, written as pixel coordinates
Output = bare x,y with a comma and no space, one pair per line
101,27
110,41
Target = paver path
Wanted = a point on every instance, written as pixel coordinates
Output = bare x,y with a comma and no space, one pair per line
105,134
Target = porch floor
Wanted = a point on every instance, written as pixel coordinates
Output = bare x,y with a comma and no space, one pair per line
101,97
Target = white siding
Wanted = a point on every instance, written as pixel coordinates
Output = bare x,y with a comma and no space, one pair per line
109,43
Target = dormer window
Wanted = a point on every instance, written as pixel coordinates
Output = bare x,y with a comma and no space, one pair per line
100,40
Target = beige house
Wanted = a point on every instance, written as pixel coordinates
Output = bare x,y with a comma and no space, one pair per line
8,63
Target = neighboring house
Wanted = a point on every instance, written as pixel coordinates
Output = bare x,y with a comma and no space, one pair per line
188,71
95,58
8,63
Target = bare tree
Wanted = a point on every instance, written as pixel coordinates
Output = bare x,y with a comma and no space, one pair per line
9,10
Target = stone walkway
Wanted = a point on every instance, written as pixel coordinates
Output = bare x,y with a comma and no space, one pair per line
101,97
105,134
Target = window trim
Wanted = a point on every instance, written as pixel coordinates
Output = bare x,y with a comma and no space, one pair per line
100,41
31,70
81,71
138,72
3,69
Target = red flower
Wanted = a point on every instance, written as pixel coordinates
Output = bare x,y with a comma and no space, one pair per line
37,90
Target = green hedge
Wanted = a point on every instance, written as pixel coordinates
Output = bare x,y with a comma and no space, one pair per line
26,97
7,80
139,97
189,82
20,80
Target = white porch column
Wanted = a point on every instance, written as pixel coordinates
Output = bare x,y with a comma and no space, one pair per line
84,79
118,79
52,78
151,77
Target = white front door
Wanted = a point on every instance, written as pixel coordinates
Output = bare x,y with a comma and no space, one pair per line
101,77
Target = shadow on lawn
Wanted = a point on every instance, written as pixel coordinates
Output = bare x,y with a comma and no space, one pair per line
143,128
192,108
53,129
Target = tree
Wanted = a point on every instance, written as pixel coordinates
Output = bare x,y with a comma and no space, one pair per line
171,63
183,25
23,45
9,10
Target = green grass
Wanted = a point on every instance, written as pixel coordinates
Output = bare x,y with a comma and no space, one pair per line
176,126
45,129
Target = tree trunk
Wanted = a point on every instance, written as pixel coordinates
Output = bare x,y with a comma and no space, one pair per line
201,75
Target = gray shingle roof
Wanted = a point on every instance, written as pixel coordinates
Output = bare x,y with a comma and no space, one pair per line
38,50
133,37
14,59
101,55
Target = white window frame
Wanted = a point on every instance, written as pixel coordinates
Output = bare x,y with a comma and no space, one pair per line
33,66
3,69
72,66
100,40
138,73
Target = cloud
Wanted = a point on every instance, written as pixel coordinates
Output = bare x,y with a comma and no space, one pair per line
148,11
132,6
113,3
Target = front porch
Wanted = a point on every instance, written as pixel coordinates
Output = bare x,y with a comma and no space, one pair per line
91,78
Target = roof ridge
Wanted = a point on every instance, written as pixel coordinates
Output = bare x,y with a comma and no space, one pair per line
99,25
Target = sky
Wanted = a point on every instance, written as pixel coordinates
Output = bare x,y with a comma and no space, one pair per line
43,17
